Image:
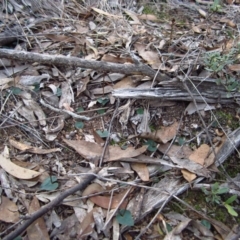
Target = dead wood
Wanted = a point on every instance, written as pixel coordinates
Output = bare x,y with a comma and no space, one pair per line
79,187
60,60
170,186
202,90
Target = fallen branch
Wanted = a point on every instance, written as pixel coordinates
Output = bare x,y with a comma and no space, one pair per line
60,60
82,185
202,90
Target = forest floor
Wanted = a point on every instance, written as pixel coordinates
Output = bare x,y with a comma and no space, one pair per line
119,120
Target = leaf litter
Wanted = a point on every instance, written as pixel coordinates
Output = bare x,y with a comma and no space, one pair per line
146,157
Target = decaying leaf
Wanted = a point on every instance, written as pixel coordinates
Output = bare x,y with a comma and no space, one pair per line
162,135
90,150
151,57
189,176
200,154
8,211
142,170
38,229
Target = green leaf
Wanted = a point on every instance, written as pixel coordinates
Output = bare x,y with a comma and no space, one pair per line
59,92
206,223
16,90
36,87
80,109
206,192
102,134
101,111
181,141
79,125
231,199
18,238
124,217
215,187
103,101
231,210
222,190
152,146
140,111
49,184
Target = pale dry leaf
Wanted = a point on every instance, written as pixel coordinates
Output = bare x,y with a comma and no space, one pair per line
15,170
189,176
28,148
105,13
149,17
142,170
200,154
37,230
81,85
8,211
125,83
133,16
66,97
202,12
31,80
191,166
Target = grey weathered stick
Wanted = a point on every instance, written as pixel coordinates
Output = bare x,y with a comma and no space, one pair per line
62,60
82,185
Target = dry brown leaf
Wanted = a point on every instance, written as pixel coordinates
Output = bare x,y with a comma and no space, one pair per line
110,201
175,151
92,188
189,176
81,85
37,230
87,225
8,211
151,57
142,170
234,67
90,150
117,153
15,170
59,38
28,148
162,135
200,154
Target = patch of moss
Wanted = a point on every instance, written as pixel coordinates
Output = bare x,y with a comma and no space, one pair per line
227,118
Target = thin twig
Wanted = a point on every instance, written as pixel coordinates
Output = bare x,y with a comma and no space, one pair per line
109,131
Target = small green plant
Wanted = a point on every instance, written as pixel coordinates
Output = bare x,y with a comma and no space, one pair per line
216,62
213,197
216,6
